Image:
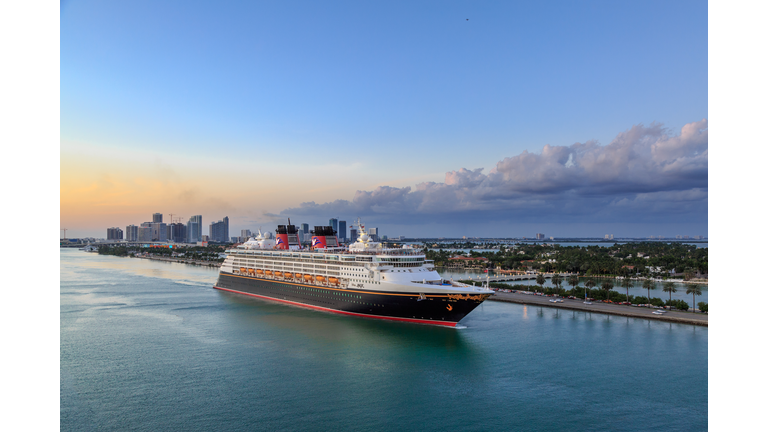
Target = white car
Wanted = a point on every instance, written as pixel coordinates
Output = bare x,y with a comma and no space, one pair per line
587,302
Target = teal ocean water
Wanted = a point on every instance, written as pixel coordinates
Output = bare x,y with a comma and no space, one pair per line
151,346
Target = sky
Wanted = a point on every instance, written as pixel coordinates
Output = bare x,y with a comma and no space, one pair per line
447,119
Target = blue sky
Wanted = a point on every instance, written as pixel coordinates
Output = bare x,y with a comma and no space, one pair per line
254,108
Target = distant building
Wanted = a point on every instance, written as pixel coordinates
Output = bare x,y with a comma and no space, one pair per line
145,232
131,233
159,231
246,233
195,229
343,230
373,233
178,232
609,236
305,228
157,217
114,233
334,223
540,236
219,231
353,234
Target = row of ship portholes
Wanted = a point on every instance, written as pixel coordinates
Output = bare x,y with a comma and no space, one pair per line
288,275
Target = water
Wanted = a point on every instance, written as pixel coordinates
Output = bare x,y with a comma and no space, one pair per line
636,290
150,346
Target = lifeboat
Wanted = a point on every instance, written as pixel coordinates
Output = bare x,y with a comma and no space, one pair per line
259,272
298,275
268,272
320,278
279,274
307,278
242,269
333,280
251,272
288,275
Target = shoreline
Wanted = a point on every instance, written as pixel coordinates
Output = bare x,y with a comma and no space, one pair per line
679,317
181,261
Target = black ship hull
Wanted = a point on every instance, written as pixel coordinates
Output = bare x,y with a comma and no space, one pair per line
435,309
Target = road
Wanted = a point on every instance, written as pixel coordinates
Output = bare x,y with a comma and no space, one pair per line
605,308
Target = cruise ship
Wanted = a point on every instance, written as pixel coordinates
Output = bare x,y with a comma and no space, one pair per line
364,279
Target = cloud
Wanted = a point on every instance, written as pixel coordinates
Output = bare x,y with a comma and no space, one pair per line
643,174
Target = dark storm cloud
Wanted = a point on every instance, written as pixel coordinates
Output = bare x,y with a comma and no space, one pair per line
644,174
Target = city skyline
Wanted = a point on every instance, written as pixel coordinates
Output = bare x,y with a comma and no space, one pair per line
451,119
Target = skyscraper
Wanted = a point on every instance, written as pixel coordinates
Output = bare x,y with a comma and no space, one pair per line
157,217
373,233
343,230
131,233
334,223
114,233
145,232
353,234
178,232
195,229
219,231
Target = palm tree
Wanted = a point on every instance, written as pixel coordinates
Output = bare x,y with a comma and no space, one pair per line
695,290
607,285
588,285
670,288
557,280
649,285
627,283
540,280
573,281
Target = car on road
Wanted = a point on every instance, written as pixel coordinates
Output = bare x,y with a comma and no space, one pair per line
588,302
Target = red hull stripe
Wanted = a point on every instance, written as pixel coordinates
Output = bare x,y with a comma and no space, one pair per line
419,321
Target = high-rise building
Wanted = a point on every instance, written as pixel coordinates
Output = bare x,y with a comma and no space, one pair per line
178,232
114,233
145,232
334,223
131,233
195,229
246,233
219,231
353,234
305,228
159,231
609,237
373,233
343,230
539,236
157,217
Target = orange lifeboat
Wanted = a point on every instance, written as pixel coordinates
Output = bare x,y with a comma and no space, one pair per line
268,272
279,274
297,275
259,272
333,280
288,275
307,278
320,278
251,272
242,269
